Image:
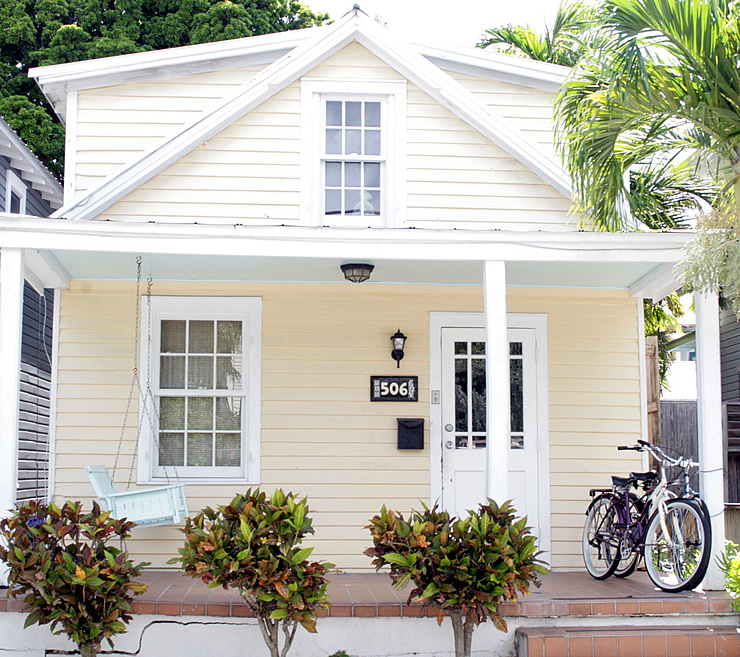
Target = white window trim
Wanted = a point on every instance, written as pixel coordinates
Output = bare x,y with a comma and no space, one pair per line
393,190
247,309
13,183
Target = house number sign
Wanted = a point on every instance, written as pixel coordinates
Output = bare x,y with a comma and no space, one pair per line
394,388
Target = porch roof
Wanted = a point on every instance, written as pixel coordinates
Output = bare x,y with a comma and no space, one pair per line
63,250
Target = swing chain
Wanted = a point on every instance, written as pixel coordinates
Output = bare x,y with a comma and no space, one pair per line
135,376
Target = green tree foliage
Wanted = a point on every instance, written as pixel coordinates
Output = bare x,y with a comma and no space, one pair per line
42,32
658,91
661,320
465,567
253,545
563,43
729,562
65,564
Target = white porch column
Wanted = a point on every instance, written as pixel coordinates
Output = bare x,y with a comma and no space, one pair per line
11,318
711,444
497,382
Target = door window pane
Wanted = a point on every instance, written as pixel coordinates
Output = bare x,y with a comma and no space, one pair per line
461,394
517,395
479,394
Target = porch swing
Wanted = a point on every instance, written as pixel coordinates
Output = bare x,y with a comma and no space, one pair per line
148,507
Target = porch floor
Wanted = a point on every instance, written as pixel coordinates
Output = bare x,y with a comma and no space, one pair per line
368,595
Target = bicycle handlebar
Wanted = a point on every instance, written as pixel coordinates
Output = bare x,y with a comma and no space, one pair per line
644,446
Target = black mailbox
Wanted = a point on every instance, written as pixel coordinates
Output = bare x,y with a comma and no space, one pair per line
410,433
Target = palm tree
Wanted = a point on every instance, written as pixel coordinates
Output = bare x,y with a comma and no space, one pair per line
659,91
648,189
563,44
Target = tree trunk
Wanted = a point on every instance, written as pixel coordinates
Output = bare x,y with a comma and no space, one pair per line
462,628
89,649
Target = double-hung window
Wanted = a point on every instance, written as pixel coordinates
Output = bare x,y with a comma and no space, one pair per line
204,373
353,146
353,157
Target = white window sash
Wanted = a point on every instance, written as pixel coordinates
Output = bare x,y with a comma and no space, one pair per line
392,95
247,310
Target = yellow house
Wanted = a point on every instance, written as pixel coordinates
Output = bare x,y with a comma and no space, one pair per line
247,174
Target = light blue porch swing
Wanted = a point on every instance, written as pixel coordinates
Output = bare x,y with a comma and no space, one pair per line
147,507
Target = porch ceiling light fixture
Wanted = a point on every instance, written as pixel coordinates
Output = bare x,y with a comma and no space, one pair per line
399,341
357,272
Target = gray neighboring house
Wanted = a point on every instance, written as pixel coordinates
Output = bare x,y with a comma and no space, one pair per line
27,188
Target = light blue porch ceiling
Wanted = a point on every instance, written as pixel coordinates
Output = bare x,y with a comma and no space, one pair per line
122,266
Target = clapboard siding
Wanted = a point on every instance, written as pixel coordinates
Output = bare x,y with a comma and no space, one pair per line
730,355
115,124
527,108
320,435
35,394
250,173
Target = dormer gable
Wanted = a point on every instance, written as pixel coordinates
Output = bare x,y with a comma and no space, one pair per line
350,128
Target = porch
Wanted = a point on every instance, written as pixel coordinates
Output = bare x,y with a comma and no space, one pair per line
570,615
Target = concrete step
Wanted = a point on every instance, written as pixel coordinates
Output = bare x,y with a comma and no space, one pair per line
628,641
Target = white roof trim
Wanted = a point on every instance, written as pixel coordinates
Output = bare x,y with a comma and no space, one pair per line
661,248
355,26
29,167
461,102
657,284
55,81
507,68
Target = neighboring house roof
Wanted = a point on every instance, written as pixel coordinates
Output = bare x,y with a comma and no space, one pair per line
302,52
29,167
686,342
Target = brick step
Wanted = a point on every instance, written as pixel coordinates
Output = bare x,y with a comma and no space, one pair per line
628,641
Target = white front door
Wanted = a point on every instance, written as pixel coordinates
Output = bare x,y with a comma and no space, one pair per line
463,421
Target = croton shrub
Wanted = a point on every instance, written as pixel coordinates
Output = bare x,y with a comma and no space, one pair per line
72,570
466,567
253,545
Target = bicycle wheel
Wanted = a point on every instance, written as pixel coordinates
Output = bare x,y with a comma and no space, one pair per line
600,539
677,553
629,549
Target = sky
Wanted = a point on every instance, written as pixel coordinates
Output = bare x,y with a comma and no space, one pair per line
441,21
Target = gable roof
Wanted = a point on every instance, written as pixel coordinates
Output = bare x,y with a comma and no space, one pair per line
355,26
55,81
29,167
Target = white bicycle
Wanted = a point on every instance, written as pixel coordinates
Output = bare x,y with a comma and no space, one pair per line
668,525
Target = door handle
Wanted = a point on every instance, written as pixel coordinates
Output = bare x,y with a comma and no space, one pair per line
449,444
448,428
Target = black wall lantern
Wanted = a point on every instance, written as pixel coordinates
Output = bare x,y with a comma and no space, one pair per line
399,341
357,272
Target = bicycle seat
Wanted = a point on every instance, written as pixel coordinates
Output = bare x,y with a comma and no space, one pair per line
622,482
644,476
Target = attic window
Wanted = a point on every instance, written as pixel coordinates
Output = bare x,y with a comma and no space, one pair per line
353,152
352,157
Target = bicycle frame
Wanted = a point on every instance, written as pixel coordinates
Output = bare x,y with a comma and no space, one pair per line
654,502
